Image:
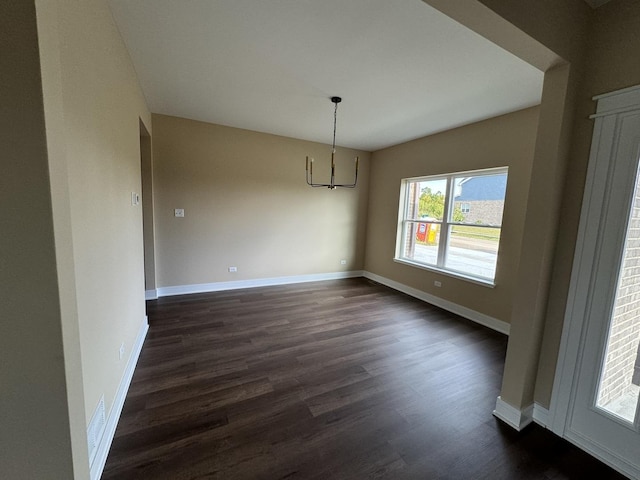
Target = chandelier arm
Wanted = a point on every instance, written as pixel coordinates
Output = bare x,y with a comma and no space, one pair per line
309,167
311,184
309,176
355,179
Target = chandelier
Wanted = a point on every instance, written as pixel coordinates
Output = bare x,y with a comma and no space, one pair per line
309,169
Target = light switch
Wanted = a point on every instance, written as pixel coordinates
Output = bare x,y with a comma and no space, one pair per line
179,212
135,198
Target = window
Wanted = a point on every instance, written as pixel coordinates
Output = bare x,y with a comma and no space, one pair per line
452,222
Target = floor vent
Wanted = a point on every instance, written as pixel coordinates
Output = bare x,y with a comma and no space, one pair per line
96,429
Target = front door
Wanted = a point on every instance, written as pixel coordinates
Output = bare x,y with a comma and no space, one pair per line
596,392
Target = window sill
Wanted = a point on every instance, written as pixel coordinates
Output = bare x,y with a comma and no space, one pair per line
449,273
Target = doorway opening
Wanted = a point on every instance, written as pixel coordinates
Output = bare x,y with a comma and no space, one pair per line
146,170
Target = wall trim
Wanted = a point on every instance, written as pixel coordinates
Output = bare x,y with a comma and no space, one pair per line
258,282
540,415
481,318
515,418
620,101
97,466
151,294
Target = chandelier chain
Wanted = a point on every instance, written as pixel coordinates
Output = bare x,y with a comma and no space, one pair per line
335,121
332,185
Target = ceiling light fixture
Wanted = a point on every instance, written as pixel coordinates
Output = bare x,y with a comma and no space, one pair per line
309,173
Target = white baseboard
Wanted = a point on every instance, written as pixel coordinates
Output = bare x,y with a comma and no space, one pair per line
151,294
259,282
481,318
512,416
540,415
97,466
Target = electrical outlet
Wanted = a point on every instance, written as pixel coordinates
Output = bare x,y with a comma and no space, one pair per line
343,262
121,352
233,269
437,283
179,212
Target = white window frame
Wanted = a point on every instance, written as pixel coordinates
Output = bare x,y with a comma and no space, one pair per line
445,223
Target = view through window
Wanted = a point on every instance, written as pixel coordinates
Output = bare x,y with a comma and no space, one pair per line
452,222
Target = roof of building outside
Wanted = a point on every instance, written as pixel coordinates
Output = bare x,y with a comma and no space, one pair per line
484,187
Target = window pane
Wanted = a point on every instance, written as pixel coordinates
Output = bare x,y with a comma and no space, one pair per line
619,387
426,200
431,206
479,199
420,242
473,250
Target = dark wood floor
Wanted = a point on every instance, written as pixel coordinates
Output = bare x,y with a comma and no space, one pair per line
330,380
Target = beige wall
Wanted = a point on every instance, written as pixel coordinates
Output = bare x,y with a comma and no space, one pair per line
550,35
611,64
35,439
72,266
507,140
595,53
49,43
102,105
247,205
559,25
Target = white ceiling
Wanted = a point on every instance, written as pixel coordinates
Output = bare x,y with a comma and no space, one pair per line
403,69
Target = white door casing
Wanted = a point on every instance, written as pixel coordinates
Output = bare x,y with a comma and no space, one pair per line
609,192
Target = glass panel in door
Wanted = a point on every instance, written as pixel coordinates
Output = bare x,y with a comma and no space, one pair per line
618,388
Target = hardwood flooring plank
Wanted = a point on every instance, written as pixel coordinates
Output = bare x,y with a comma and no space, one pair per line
332,380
